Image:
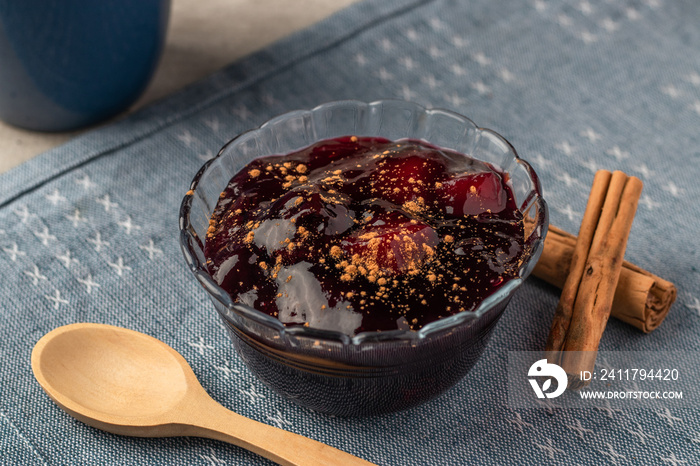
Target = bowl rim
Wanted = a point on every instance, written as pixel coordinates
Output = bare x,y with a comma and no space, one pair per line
188,237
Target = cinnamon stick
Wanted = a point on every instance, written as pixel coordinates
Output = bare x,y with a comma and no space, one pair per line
565,308
642,299
589,290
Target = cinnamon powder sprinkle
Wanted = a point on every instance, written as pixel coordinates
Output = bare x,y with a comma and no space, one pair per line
414,207
336,251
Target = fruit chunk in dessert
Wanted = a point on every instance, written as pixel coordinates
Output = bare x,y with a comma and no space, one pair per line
360,234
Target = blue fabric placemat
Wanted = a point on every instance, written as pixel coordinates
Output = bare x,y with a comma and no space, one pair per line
88,231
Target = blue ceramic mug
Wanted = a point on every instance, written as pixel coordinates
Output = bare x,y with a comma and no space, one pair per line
65,64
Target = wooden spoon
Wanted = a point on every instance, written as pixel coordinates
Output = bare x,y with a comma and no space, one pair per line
129,383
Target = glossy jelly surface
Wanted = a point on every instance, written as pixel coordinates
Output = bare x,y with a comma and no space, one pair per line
365,234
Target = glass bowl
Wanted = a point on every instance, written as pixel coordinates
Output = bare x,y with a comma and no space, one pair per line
372,372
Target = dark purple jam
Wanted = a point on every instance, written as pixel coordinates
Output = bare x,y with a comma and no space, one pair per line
365,234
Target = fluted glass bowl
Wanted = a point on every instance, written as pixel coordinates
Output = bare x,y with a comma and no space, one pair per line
372,372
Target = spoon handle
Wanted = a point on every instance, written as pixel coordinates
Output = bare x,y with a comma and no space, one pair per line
211,420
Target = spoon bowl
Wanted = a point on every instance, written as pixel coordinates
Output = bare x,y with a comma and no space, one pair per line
129,383
80,367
